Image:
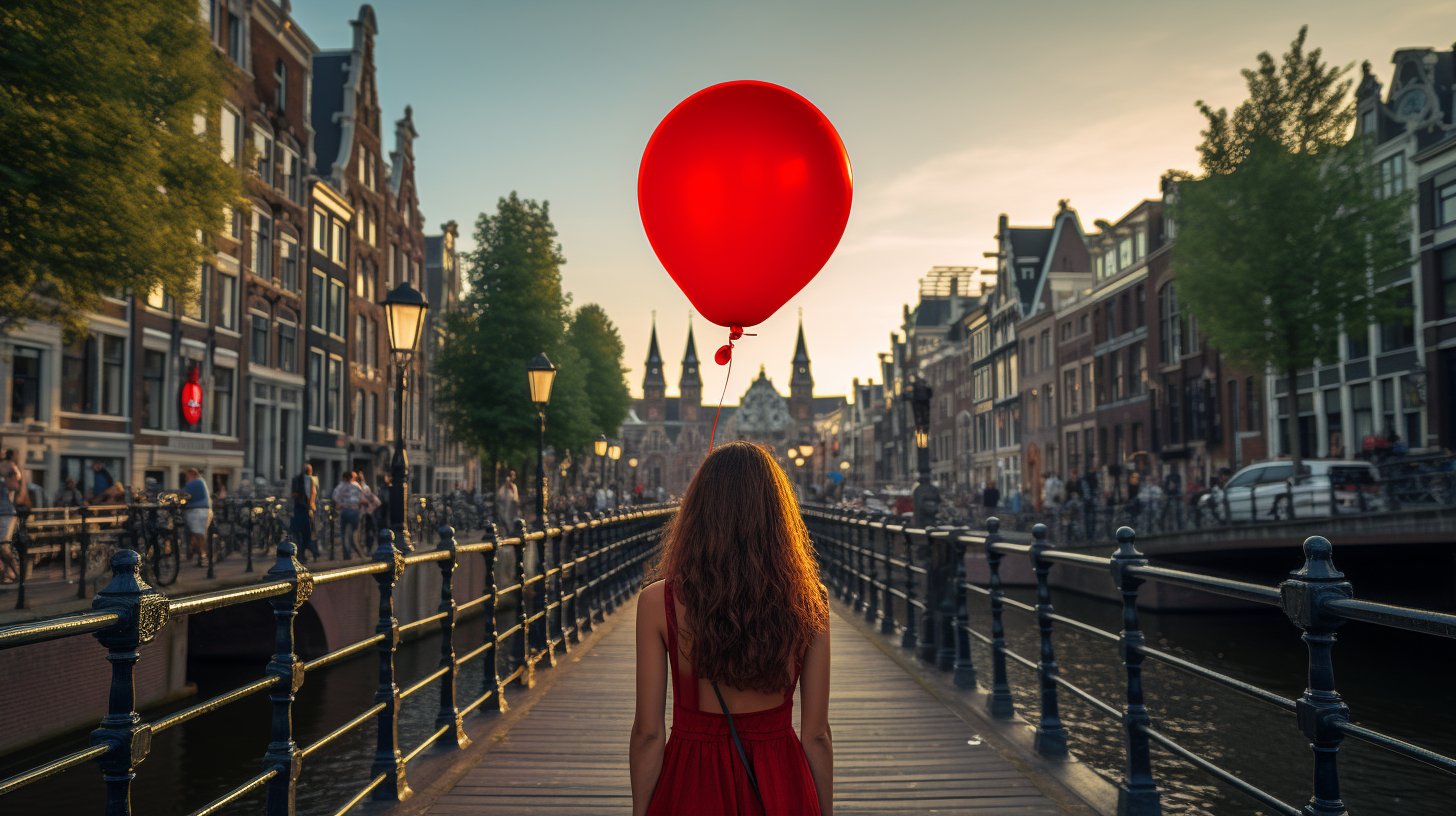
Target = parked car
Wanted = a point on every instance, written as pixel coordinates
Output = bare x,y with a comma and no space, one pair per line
1266,491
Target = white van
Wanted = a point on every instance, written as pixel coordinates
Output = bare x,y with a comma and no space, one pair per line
1326,487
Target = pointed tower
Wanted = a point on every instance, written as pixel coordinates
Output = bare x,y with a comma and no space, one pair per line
801,387
654,384
690,385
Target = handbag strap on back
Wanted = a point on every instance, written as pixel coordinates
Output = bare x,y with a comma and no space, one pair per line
737,743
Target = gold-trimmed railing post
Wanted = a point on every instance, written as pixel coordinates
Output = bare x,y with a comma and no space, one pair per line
449,714
142,612
283,755
387,758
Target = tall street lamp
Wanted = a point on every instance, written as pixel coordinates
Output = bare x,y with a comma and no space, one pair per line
600,447
926,496
632,463
614,452
404,308
540,373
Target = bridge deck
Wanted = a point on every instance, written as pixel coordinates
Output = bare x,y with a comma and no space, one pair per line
897,749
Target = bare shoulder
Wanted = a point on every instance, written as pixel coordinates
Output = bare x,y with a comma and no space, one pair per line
650,603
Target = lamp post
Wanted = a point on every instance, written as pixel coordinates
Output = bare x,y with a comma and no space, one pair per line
614,452
844,480
926,496
806,451
404,308
540,373
600,447
632,463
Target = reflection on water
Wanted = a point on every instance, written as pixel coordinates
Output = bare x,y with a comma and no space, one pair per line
195,763
1393,682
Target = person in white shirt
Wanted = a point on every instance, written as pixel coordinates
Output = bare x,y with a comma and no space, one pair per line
347,498
1051,492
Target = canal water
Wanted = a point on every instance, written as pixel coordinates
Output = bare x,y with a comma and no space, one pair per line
1393,681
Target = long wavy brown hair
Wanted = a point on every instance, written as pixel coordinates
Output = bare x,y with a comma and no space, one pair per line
740,559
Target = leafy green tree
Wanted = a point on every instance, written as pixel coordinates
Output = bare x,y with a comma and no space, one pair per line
1282,241
600,347
106,179
514,310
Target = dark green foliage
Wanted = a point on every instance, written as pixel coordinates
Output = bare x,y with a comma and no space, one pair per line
514,310
601,350
104,183
1280,242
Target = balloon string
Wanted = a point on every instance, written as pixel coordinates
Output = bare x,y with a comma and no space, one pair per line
714,434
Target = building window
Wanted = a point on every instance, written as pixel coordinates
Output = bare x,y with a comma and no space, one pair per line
222,401
93,375
1119,377
287,341
1391,175
263,161
197,306
227,299
159,299
361,337
317,289
1446,205
1253,403
228,127
320,231
154,400
315,388
262,245
1402,335
288,168
1170,324
1446,267
371,347
1109,314
371,423
1175,414
1364,418
359,413
1124,253
288,263
336,308
236,40
75,362
338,246
259,348
333,397
1141,247
280,86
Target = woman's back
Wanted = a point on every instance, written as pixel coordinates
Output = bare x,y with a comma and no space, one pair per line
740,608
738,699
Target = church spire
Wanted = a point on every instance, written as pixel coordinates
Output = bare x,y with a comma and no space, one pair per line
801,350
690,376
653,375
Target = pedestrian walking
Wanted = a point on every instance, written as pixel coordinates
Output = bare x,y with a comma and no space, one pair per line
101,481
508,503
305,501
990,498
70,495
347,497
9,564
198,513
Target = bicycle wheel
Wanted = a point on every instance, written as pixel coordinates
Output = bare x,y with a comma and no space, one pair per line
166,552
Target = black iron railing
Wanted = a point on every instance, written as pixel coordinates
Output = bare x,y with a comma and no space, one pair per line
880,568
83,539
584,570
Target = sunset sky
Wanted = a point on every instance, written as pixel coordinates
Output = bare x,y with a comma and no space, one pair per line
952,112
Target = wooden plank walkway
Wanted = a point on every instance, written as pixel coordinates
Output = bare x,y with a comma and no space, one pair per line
897,750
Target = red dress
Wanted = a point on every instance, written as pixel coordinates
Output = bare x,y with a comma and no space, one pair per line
701,772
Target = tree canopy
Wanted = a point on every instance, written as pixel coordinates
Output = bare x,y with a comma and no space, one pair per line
110,167
1284,240
514,310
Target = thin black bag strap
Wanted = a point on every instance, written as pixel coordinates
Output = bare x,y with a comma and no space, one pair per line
732,730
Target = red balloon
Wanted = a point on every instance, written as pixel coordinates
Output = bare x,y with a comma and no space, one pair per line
744,192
